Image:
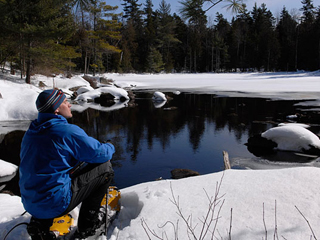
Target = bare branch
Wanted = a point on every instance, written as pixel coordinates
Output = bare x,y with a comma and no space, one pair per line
230,225
307,222
264,222
275,221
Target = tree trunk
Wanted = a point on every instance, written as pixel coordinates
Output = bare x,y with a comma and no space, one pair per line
28,70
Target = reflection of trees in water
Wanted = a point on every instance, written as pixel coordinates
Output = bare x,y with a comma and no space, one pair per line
133,125
10,152
129,128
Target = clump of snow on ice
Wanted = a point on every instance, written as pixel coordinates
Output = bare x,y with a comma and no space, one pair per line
159,97
84,89
7,168
116,92
294,124
292,137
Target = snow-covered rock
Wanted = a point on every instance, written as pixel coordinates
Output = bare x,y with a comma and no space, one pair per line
294,124
7,168
292,137
286,137
118,93
84,90
7,171
159,97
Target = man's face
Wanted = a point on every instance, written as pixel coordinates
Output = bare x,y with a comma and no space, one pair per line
64,109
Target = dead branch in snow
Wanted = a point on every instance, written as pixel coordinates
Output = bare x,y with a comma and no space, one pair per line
307,222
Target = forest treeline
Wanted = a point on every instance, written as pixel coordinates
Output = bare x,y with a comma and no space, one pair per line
90,36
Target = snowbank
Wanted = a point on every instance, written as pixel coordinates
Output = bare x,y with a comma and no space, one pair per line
256,204
17,102
7,168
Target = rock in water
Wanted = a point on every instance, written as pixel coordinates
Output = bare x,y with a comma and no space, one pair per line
159,96
178,173
293,138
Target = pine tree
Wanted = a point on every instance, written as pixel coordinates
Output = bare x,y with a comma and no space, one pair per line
105,35
239,41
307,40
81,37
132,32
148,43
180,53
166,35
265,44
286,30
192,11
317,35
154,61
40,26
220,47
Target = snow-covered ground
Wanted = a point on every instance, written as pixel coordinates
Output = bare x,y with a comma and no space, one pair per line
251,204
18,98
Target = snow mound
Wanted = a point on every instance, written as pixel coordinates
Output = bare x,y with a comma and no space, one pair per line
159,97
116,92
7,168
294,124
84,90
292,137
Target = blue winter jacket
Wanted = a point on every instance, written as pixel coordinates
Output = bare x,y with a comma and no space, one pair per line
49,150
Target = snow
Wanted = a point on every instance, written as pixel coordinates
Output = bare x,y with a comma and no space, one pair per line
7,168
280,85
291,137
159,97
252,204
117,92
250,201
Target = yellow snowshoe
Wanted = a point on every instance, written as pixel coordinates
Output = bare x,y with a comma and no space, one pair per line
64,227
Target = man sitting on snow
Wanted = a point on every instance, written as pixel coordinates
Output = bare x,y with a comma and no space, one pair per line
50,150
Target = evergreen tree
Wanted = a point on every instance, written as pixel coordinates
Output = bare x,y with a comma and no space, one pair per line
105,35
235,6
317,35
81,37
265,45
192,11
154,61
42,28
132,31
286,30
166,35
238,41
148,44
307,40
180,53
220,47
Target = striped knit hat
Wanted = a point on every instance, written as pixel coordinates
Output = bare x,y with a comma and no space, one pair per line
49,100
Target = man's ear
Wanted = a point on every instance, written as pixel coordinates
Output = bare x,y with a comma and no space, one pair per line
56,112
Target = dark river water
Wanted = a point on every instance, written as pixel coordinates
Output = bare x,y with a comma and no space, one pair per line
190,131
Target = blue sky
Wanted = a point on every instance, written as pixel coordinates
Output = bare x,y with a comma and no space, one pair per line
275,6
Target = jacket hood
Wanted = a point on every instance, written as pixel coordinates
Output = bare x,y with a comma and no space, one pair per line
45,121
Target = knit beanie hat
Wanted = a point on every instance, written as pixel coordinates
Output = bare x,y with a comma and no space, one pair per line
49,100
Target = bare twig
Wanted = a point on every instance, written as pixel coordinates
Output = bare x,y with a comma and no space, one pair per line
230,225
264,222
176,203
275,220
142,222
209,221
307,222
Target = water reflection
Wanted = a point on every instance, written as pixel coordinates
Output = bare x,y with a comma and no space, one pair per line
189,131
